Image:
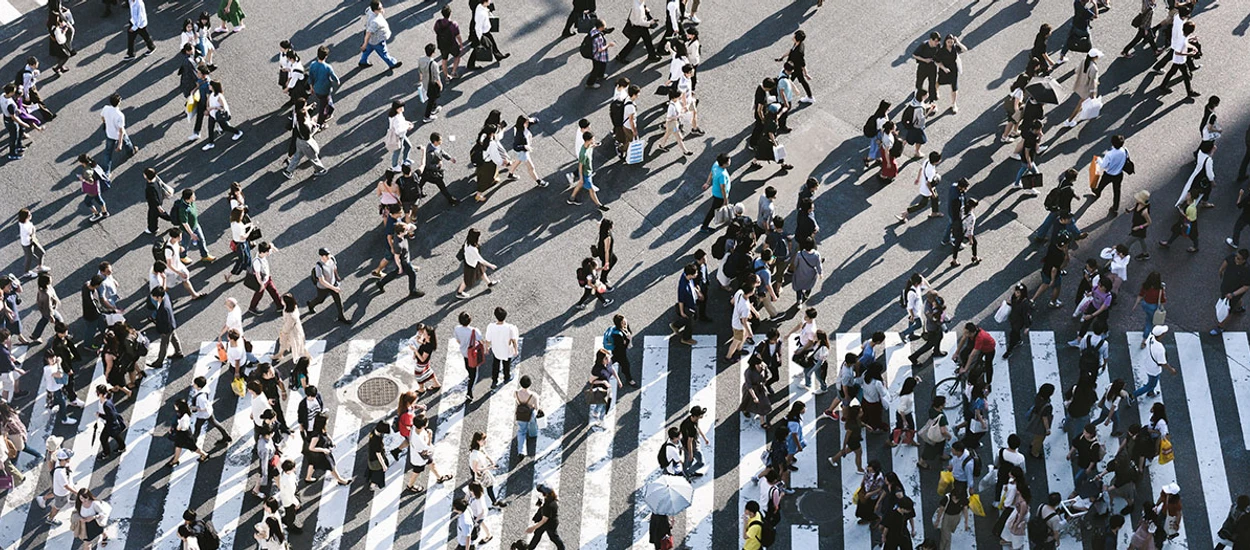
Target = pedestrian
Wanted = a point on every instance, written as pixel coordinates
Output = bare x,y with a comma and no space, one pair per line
430,82
1158,361
719,182
377,32
482,27
396,140
1202,179
934,449
873,129
426,344
28,95
138,27
808,268
527,414
852,439
432,167
219,115
1151,297
1031,149
767,148
1183,54
167,326
1228,534
469,338
32,249
674,119
965,231
599,46
592,287
1143,23
482,466
688,294
522,145
93,182
797,57
291,335
328,284
763,94
378,459
927,181
48,304
187,215
502,341
756,397
1140,223
926,55
318,453
585,172
450,45
302,130
13,123
241,229
324,81
493,156
230,12
638,27
475,265
263,278
951,507
548,519
582,10
624,114
949,64
61,38
202,410
182,433
1113,165
1187,222
62,487
156,192
1084,85
1234,276
753,526
115,135
1020,317
904,415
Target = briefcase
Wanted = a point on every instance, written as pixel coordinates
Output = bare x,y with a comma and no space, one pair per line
1031,181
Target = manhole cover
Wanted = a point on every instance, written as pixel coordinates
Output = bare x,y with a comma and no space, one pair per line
378,392
818,506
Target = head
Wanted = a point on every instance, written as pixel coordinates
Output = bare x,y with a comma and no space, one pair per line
935,38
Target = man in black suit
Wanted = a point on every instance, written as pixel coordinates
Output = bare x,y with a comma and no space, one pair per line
166,325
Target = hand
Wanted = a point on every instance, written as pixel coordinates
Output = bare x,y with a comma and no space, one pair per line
529,530
362,47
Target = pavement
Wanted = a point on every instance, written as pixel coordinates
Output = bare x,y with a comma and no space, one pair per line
858,55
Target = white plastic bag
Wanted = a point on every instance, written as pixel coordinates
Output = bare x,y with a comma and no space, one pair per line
779,152
1082,306
635,152
1004,309
988,480
1221,310
1090,109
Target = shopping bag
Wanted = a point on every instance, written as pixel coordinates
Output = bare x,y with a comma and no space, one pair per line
1004,309
974,503
855,496
779,153
541,419
222,357
238,386
723,215
421,94
988,480
945,481
1093,173
635,152
1090,109
1080,307
1165,450
1221,310
1161,313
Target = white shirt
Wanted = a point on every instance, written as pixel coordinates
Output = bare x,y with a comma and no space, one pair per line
60,478
501,336
464,529
692,52
400,126
260,266
114,121
630,110
906,404
259,405
1119,264
238,232
672,455
471,256
217,103
419,442
495,152
808,333
915,301
183,423
873,392
674,18
237,355
927,173
138,15
481,20
638,15
297,74
51,372
742,310
675,66
1015,458
1158,357
201,403
26,232
286,489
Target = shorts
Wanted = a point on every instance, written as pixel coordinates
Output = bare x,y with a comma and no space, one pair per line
452,50
7,382
740,335
587,183
414,468
1056,283
522,156
59,502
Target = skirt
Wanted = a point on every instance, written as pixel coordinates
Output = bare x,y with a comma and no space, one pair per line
423,373
763,408
916,135
319,461
236,15
472,275
184,440
485,174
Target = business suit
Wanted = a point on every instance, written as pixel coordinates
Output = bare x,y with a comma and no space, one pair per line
687,304
167,326
113,428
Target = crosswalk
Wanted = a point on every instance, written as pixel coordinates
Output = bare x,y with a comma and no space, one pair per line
607,466
12,10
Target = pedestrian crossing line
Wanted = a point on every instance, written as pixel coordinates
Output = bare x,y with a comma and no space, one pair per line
1160,475
124,494
598,478
8,14
944,367
384,506
1002,413
332,506
806,460
182,479
1237,349
1058,468
802,537
703,394
500,433
897,370
554,403
1113,447
228,506
651,419
1202,413
436,515
17,502
82,463
853,534
752,441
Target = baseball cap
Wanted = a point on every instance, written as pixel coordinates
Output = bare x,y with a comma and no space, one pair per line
1159,330
64,454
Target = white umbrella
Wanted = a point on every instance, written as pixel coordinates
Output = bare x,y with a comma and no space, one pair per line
668,495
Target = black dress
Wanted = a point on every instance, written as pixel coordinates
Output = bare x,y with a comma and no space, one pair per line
319,461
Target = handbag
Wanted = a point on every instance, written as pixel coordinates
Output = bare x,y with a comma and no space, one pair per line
540,418
666,543
857,495
974,504
251,282
1165,450
931,433
1221,310
222,357
494,24
779,153
587,22
475,355
238,386
634,154
1031,181
1161,313
254,234
482,54
1004,309
1093,173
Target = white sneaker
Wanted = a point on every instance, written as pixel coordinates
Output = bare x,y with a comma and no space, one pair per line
237,135
69,421
808,100
193,137
1229,242
695,19
1014,156
207,146
40,502
1069,124
78,403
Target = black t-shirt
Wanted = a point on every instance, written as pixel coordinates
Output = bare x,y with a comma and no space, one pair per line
761,100
896,522
1039,46
551,510
1054,258
798,56
1235,276
376,446
928,52
1031,141
1086,451
1139,219
689,430
948,57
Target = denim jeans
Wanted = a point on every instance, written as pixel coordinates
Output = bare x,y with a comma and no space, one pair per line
911,329
380,47
693,463
405,147
522,433
58,401
1150,318
196,237
242,257
1115,417
1024,169
110,146
1151,382
820,376
597,412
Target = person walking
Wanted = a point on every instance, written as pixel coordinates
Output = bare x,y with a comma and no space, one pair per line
797,57
599,46
1084,85
926,56
1020,317
430,83
115,135
377,32
475,265
138,27
324,81
432,167
688,294
1183,52
450,45
1187,221
187,216
502,341
62,487
32,248
291,335
527,413
638,27
927,181
965,231
182,433
718,180
1113,165
156,193
396,140
469,339
167,326
219,115
263,278
202,410
482,36
302,131
91,179
616,340
807,268
522,145
328,284
585,172
949,65
548,519
582,10
16,127
319,452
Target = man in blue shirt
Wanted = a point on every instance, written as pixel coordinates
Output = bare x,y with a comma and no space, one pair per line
687,299
718,180
324,81
1111,164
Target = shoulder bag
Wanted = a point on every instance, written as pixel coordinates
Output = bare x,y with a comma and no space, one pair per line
1161,313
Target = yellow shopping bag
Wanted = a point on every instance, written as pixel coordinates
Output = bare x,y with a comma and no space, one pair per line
1165,450
238,386
855,496
974,503
945,481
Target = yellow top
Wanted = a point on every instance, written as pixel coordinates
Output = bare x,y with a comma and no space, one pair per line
753,536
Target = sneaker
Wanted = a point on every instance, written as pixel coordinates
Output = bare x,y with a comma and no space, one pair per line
208,259
15,157
193,137
236,136
1216,331
603,208
573,202
541,183
1230,243
695,19
1075,343
95,217
833,462
1068,124
287,174
129,57
397,65
428,119
320,172
78,403
461,295
808,100
52,522
608,302
40,502
149,52
1014,156
207,147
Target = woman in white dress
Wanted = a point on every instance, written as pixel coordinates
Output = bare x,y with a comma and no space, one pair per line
291,336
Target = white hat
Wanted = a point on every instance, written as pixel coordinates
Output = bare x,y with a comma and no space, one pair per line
1172,489
1095,52
64,454
1159,330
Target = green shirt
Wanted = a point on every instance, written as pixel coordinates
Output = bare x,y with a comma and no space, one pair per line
584,159
189,215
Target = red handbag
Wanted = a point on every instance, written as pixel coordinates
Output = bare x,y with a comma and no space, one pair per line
476,354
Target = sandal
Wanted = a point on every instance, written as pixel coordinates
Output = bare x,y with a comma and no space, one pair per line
417,490
347,481
444,479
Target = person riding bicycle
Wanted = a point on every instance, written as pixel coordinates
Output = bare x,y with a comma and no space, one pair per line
976,355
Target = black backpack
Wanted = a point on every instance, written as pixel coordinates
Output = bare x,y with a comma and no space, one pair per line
616,110
409,189
718,247
662,457
977,468
1051,202
909,116
587,49
1038,531
206,535
768,533
158,249
1091,360
870,127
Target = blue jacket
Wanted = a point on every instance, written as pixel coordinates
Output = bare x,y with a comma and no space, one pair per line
686,293
323,77
165,322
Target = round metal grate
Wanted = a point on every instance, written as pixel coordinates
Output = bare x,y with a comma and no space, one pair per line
818,506
378,392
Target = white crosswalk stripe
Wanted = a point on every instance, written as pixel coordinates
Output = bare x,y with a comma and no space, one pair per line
8,13
1204,476
1237,350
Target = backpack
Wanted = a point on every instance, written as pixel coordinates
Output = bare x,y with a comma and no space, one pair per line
158,249
207,536
977,467
477,154
870,127
175,211
1091,359
1038,531
607,337
20,79
1051,202
909,115
409,189
616,110
587,49
662,456
718,247
768,533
